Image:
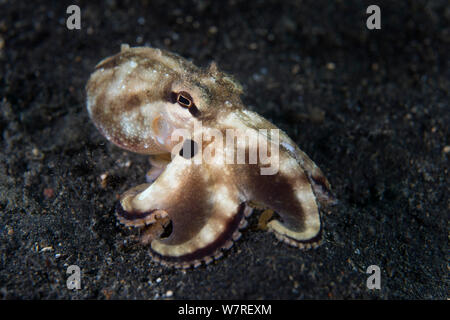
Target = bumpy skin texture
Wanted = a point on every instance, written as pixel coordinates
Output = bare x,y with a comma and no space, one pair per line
190,210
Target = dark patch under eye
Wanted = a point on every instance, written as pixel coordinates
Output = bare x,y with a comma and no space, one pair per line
173,97
194,111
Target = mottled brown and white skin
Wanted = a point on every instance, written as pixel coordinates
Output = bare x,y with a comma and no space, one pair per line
191,210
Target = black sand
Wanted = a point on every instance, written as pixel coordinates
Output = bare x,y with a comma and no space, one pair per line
370,107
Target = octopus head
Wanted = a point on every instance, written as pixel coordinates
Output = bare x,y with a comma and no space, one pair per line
138,97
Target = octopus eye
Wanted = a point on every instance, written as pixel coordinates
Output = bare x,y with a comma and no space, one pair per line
184,99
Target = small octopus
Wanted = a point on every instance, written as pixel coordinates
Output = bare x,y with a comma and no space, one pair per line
190,210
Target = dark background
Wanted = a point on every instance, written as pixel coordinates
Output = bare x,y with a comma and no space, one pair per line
369,107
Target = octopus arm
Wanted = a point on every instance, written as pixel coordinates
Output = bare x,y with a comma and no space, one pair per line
158,165
319,183
205,213
290,194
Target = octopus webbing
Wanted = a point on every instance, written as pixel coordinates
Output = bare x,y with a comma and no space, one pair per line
191,209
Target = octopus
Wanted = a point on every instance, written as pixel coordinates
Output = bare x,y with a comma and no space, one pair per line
156,103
